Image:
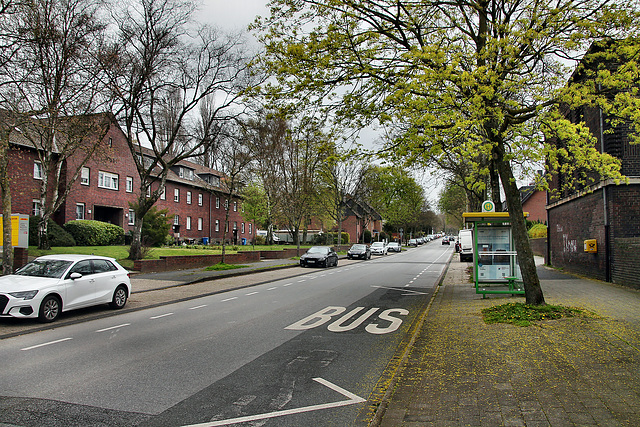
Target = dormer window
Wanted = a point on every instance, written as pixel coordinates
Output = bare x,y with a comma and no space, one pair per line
185,173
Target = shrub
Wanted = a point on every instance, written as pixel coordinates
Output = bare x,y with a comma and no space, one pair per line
95,233
537,231
259,240
155,227
367,236
56,234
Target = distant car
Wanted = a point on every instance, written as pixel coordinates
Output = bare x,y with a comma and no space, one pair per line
52,284
445,240
378,248
394,247
359,251
322,256
413,242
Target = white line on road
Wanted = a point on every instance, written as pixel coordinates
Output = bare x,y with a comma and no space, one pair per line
198,306
162,315
271,289
114,327
353,399
251,293
47,343
229,299
287,284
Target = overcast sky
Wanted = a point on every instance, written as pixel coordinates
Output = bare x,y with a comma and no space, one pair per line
232,14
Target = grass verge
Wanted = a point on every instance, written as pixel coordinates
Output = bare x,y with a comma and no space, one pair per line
220,267
520,314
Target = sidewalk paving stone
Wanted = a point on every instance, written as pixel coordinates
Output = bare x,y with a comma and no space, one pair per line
568,372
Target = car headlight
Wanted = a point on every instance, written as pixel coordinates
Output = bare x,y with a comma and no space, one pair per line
25,295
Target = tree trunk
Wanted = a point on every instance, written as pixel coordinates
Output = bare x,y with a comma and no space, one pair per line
532,289
43,238
495,185
7,248
135,250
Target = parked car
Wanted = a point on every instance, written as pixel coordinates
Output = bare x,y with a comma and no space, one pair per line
359,251
378,248
413,242
52,284
466,245
394,247
445,240
322,256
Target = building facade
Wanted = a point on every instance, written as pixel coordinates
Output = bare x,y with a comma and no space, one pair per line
109,183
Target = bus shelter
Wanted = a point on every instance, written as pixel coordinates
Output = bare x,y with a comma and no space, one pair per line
495,260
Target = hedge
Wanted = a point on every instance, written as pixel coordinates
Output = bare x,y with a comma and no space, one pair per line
95,233
56,234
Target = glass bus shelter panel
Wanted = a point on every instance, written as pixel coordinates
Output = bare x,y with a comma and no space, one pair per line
497,261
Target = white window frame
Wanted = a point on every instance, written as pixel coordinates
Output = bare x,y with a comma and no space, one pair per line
108,180
217,225
217,202
163,195
200,223
200,199
235,206
36,207
176,195
188,223
188,197
129,187
80,211
132,217
176,220
85,176
37,169
242,228
250,227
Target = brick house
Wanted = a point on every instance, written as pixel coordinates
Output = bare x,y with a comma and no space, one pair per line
360,217
109,182
606,212
534,201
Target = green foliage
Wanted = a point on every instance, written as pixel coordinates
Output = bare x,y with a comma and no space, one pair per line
537,231
95,233
330,239
520,314
222,266
367,237
56,234
155,227
259,240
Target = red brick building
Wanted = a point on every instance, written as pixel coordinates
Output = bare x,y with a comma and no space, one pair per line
534,201
109,182
360,217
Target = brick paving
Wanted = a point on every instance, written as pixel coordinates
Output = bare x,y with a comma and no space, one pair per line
568,372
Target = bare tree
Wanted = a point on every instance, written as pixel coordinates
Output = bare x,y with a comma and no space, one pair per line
51,86
159,67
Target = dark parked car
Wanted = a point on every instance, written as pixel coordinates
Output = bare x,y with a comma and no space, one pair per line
323,256
359,251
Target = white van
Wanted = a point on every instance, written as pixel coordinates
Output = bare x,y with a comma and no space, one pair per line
466,245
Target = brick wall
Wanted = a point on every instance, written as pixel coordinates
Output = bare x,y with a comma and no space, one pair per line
624,204
169,263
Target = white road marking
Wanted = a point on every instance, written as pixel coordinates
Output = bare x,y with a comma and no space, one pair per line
251,293
273,288
162,315
229,299
353,399
114,327
198,306
46,343
287,284
397,289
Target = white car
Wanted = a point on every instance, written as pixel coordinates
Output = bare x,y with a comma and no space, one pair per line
51,284
378,248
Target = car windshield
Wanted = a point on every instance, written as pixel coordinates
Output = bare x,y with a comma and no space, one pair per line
377,244
53,268
358,247
318,250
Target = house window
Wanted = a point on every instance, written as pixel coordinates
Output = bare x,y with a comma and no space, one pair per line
242,228
79,210
188,197
235,225
217,202
84,176
129,184
176,195
199,224
226,226
37,208
176,220
250,227
188,223
132,217
235,206
148,192
110,142
107,180
226,204
185,173
163,195
217,225
200,199
37,170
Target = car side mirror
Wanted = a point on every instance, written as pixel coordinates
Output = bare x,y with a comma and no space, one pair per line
74,276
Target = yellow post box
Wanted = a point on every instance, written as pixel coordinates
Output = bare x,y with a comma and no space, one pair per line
591,246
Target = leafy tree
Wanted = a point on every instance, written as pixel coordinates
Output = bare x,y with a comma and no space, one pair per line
453,203
156,226
458,77
255,206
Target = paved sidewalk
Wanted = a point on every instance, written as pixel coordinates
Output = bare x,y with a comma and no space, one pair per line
569,372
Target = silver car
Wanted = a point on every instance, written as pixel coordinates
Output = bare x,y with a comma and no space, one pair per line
51,284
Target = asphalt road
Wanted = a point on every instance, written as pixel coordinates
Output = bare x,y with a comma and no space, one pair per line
296,351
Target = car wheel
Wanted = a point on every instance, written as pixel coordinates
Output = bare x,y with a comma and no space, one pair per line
119,298
335,264
49,309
